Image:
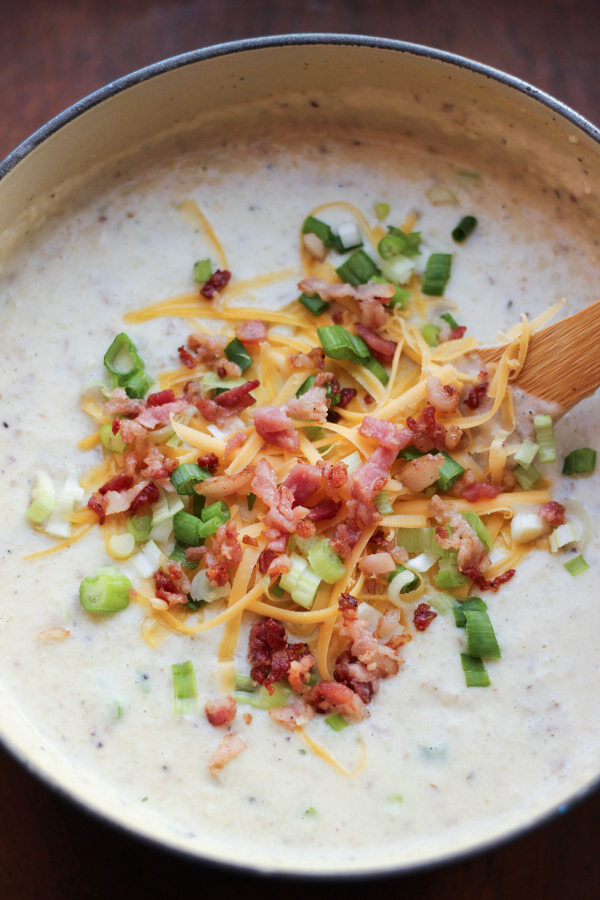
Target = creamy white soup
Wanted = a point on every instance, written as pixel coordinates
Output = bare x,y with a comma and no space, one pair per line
429,765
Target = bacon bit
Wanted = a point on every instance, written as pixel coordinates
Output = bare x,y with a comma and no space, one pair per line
423,616
377,564
283,516
326,509
273,425
269,653
279,565
457,333
236,440
330,291
209,461
427,433
249,541
122,405
327,696
247,718
220,712
167,590
230,747
373,474
250,333
195,554
118,483
148,494
264,560
303,480
159,398
315,358
95,505
345,536
337,317
476,394
237,398
368,399
217,281
386,434
188,359
443,397
116,424
373,313
471,550
553,512
217,574
296,714
346,395
383,350
474,573
480,490
311,406
418,474
156,465
225,552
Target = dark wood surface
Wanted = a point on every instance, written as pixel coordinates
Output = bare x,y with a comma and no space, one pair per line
52,53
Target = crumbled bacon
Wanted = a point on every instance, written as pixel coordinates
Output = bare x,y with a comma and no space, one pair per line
294,715
382,349
224,553
116,424
209,461
265,559
311,406
217,281
118,483
148,494
345,536
333,696
335,475
230,747
238,398
474,573
273,425
480,490
553,512
423,616
326,509
283,515
476,395
236,440
373,313
188,359
377,563
315,358
302,481
329,291
122,405
252,333
220,712
443,397
346,395
155,465
386,434
471,550
368,399
166,589
457,332
95,505
269,653
427,434
160,397
418,474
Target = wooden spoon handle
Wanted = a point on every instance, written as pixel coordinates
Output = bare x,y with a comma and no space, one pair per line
562,365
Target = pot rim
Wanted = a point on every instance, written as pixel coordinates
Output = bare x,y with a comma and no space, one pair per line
144,74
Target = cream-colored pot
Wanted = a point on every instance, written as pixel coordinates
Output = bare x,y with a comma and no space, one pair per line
326,85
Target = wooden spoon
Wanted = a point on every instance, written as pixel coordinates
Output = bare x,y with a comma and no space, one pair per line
562,365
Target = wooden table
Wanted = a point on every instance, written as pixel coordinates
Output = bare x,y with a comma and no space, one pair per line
53,53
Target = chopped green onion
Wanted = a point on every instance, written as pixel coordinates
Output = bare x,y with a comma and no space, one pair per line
210,381
312,225
411,240
337,722
277,591
202,270
526,477
465,227
138,385
526,453
475,672
431,334
122,360
305,589
544,433
237,353
447,578
565,534
357,269
390,246
246,684
437,273
251,500
217,510
401,581
439,195
579,462
381,210
277,696
449,318
576,566
472,603
288,579
376,369
186,475
397,270
418,540
41,507
479,528
186,528
177,554
325,562
112,442
382,502
448,473
121,545
334,398
107,592
400,297
184,687
443,603
481,639
314,304
338,343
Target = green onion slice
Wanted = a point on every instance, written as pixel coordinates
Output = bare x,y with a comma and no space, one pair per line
465,227
475,672
107,592
312,225
246,684
437,273
186,528
184,687
526,453
314,304
576,566
472,603
411,240
449,318
177,554
431,334
381,210
481,639
357,269
185,476
122,360
526,477
202,270
111,442
325,562
337,722
449,472
265,699
376,369
479,528
338,343
544,433
237,353
140,527
251,500
579,462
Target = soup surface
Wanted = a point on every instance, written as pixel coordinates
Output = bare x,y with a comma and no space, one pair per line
437,766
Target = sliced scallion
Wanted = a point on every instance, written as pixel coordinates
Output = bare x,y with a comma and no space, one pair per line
576,566
186,475
400,297
186,528
337,722
107,592
357,269
305,589
114,443
431,334
410,239
472,603
465,227
376,369
184,687
277,696
314,304
449,472
479,528
325,562
312,225
338,343
237,353
382,502
526,453
481,638
475,672
381,210
579,462
390,246
449,318
526,477
544,433
251,500
202,270
437,273
177,554
246,684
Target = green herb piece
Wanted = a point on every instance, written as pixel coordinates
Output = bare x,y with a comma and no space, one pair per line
479,528
337,722
338,343
481,638
277,696
311,811
402,574
526,453
312,225
544,433
431,334
41,507
579,462
526,477
245,683
381,210
576,566
390,246
237,353
325,562
437,273
107,592
177,554
184,687
186,475
193,605
186,528
465,227
449,318
140,527
314,304
411,240
475,671
400,297
334,398
449,472
382,502
202,270
376,369
114,443
473,603
126,367
357,269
